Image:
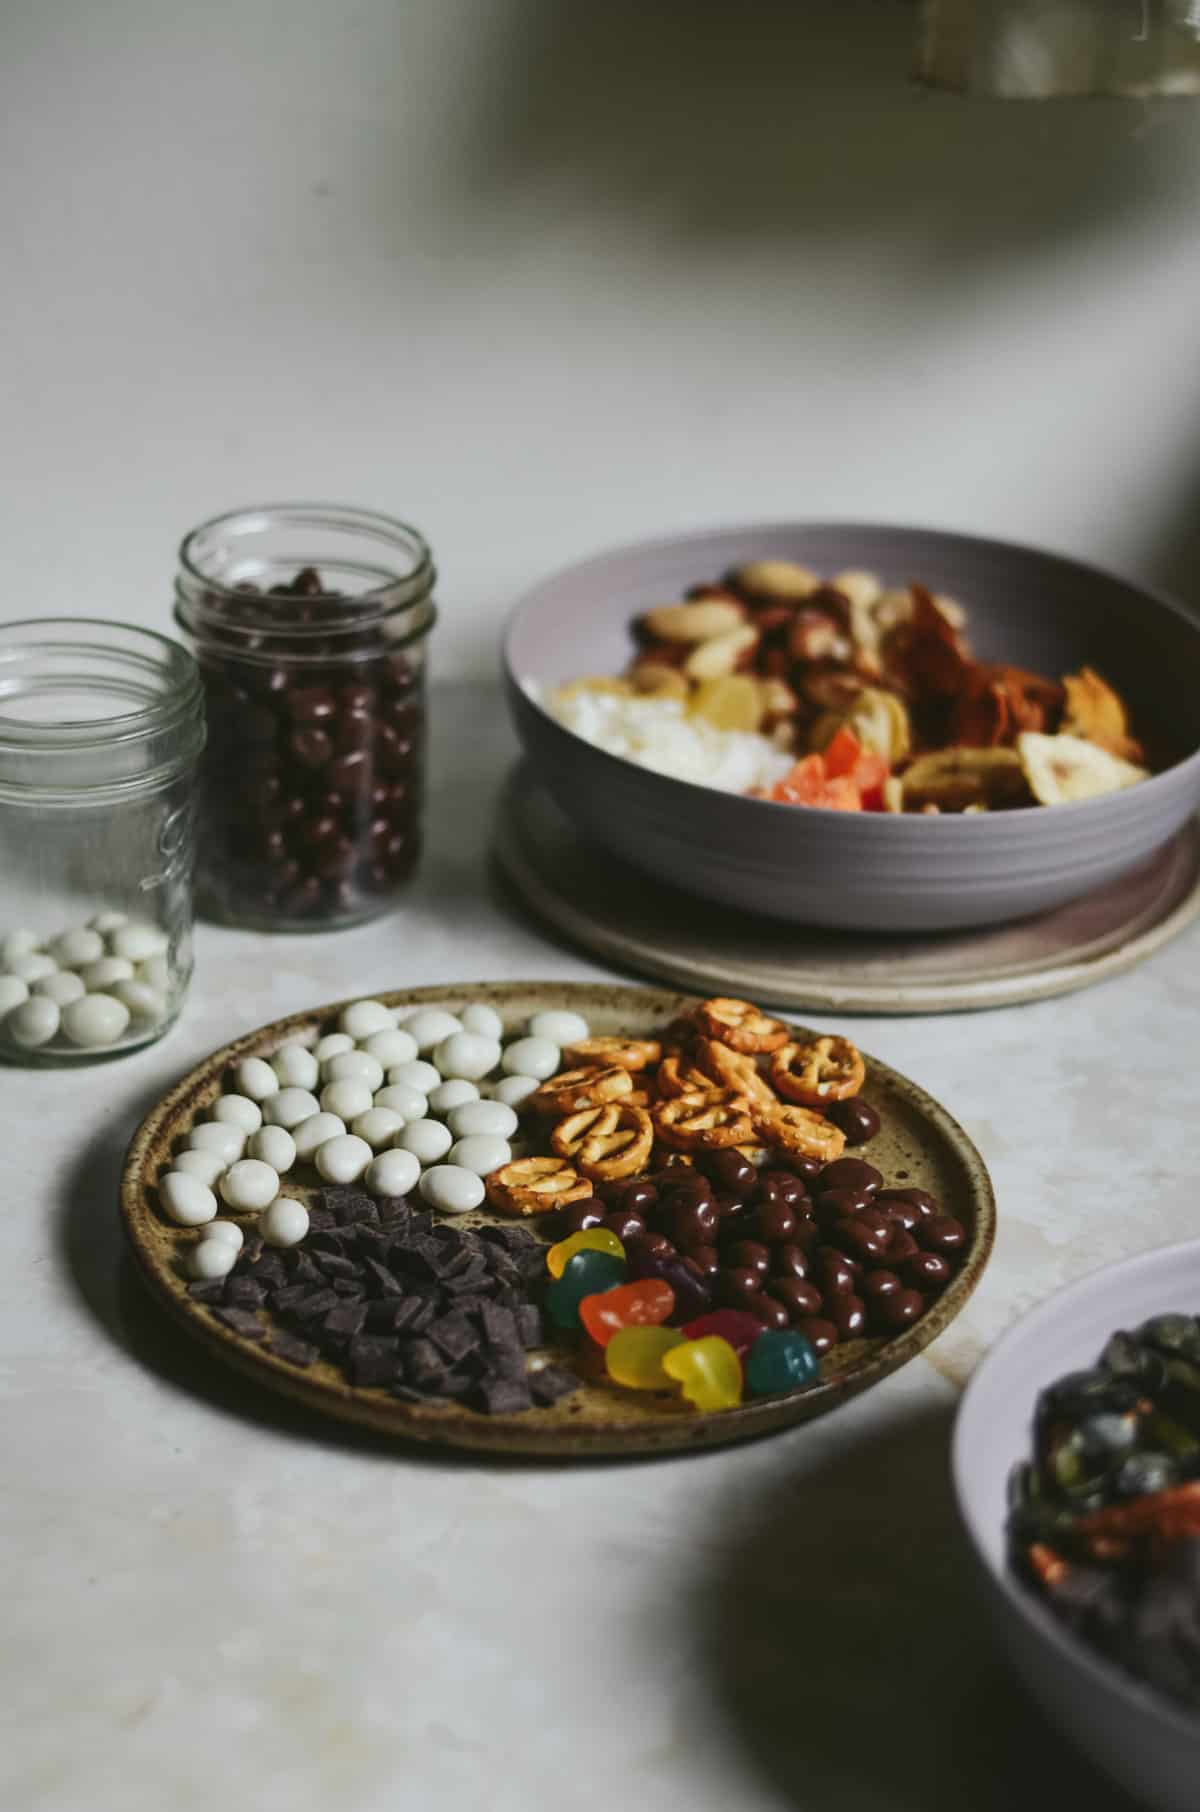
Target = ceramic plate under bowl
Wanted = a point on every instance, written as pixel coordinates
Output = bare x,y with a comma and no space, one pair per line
868,871
919,1145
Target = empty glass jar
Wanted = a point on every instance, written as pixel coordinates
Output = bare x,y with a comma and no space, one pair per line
309,623
101,726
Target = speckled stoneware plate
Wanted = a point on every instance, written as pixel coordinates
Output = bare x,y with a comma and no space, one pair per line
626,918
918,1145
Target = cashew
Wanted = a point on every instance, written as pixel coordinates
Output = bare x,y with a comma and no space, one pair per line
694,622
720,654
781,579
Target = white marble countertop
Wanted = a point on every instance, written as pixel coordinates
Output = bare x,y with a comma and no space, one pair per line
211,1594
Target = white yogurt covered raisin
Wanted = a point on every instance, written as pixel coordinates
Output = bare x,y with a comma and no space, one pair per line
227,1233
392,1046
34,1022
429,1025
354,1066
330,1045
16,944
343,1160
75,948
415,1074
144,1002
452,1094
428,1140
364,1017
289,1107
378,1126
104,922
346,1099
186,1199
207,1165
512,1090
275,1147
211,1258
393,1173
102,974
12,992
225,1141
451,1189
531,1057
409,1103
559,1026
138,942
492,1119
284,1223
32,967
466,1054
238,1110
296,1067
312,1133
255,1077
481,1153
155,972
249,1185
483,1020
97,1019
62,987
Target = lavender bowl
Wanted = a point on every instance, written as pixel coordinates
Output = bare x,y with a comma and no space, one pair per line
1134,1734
867,872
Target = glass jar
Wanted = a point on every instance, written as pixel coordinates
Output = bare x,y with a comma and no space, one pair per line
101,728
309,623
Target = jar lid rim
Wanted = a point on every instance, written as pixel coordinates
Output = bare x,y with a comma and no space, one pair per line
336,516
181,698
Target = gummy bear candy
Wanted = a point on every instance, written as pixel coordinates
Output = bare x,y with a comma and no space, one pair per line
631,1305
738,1326
586,1274
782,1359
593,1239
708,1370
634,1357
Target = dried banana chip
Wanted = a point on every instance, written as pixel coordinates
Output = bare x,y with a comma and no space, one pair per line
952,779
1098,714
733,703
1062,769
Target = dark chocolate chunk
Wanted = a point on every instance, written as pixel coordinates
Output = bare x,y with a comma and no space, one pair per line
245,1293
350,1287
315,1304
374,1360
381,1281
454,1336
242,1321
210,1290
502,1396
498,1325
301,1268
344,1321
529,1324
335,1265
423,1364
270,1269
319,1219
550,1383
291,1347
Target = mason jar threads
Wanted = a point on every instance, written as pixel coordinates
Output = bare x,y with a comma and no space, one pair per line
309,623
101,728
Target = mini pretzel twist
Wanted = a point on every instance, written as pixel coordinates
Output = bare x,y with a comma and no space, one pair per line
735,1070
704,1121
801,1130
572,1090
823,1069
535,1186
740,1024
627,1053
607,1142
679,1076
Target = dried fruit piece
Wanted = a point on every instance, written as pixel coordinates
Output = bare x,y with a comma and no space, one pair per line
606,1052
740,1024
877,718
590,1086
1062,769
1097,713
720,654
818,1070
704,1121
809,784
733,703
802,1130
605,1143
953,778
535,1186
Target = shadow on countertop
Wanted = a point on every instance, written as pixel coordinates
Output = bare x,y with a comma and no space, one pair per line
844,1642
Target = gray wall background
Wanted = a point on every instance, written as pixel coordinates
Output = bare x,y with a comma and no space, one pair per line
540,275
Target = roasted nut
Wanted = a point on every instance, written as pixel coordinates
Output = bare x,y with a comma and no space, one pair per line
801,1130
695,622
572,1090
817,636
780,581
740,1024
605,1143
703,1120
654,679
822,1069
625,1053
861,588
720,654
535,1186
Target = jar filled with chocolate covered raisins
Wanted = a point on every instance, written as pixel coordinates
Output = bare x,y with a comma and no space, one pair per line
309,623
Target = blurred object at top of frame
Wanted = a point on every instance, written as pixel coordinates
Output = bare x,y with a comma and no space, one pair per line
1049,49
